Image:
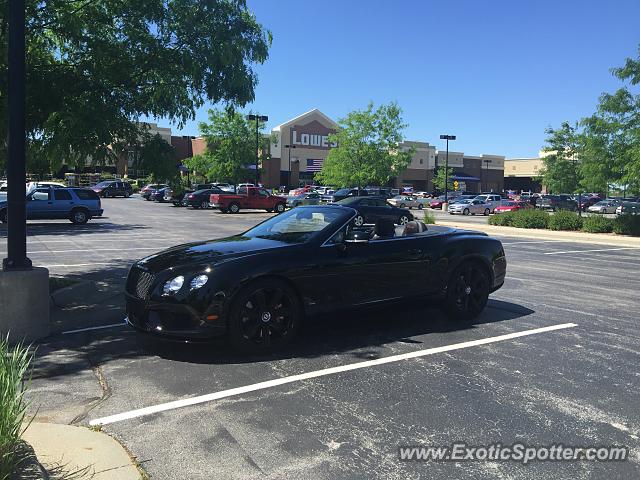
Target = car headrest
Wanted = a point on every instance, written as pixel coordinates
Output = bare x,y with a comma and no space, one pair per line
385,228
414,227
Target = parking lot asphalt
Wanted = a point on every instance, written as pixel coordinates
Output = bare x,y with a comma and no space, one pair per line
575,385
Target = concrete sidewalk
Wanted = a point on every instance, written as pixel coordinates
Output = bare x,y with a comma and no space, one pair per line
67,451
579,237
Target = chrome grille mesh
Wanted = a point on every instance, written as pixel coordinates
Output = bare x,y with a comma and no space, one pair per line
139,283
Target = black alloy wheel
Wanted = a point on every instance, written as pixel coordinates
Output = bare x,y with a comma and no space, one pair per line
265,317
404,219
204,204
467,291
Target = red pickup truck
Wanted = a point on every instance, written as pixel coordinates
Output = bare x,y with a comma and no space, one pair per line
251,197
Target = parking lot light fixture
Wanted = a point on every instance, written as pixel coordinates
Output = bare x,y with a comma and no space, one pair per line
446,169
289,178
257,119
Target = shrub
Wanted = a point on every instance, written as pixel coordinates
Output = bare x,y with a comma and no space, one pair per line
14,369
565,220
529,218
627,224
429,218
597,224
502,219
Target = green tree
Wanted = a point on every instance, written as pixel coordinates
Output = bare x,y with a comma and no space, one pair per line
440,178
158,158
367,150
560,172
94,67
231,147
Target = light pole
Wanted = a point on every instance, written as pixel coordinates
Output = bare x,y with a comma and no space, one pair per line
16,169
446,169
258,119
486,175
289,177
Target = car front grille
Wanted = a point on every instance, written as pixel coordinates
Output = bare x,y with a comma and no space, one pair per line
139,283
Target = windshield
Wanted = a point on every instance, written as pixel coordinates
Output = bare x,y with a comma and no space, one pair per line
103,184
342,191
300,225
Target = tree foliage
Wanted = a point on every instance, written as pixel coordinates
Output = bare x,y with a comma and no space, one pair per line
560,171
367,151
441,177
231,147
94,67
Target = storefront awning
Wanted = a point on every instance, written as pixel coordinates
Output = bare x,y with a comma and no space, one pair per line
465,178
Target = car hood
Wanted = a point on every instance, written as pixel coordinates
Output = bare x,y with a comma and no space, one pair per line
211,251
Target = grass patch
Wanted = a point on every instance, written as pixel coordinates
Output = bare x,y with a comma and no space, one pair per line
429,218
15,362
597,224
56,283
565,220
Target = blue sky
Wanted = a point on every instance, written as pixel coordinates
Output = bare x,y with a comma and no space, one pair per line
494,73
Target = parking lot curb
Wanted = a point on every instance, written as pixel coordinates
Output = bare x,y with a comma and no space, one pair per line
69,451
73,293
576,237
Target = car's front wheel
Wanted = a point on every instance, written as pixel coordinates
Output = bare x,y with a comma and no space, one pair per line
403,220
358,221
265,316
465,211
280,207
204,204
487,211
420,206
79,216
234,208
467,291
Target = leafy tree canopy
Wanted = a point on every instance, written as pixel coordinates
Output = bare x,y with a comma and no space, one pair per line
95,66
367,151
560,171
441,178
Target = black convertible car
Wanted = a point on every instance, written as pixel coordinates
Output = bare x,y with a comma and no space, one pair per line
372,209
257,287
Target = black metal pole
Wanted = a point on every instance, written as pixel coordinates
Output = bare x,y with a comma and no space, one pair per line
257,149
16,168
446,175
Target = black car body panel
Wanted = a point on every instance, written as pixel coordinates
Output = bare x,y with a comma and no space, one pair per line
200,197
317,269
557,202
373,209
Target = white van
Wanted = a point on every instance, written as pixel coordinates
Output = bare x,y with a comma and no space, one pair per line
492,199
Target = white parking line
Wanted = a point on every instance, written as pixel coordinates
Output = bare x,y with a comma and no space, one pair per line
121,324
51,265
587,251
318,373
532,241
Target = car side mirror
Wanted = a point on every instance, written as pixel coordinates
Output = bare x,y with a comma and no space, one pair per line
357,236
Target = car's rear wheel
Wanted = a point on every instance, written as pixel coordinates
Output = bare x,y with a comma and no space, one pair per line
402,205
467,291
420,206
487,211
265,316
234,208
127,194
204,204
280,207
358,221
403,220
3,216
79,216
465,211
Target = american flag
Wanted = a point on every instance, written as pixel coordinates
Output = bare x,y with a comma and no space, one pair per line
314,165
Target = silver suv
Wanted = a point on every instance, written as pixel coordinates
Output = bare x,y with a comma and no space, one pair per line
493,199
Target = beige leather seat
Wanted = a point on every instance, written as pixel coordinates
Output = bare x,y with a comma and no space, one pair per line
413,228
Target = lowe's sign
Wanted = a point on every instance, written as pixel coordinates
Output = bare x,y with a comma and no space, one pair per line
311,140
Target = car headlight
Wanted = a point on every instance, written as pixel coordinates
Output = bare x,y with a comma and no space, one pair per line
198,282
173,285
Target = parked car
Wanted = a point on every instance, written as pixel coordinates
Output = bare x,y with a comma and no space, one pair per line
146,191
225,187
585,201
113,188
493,199
202,291
632,208
557,202
405,201
436,202
473,207
45,184
161,195
309,198
511,206
253,197
372,209
344,193
605,206
200,198
76,204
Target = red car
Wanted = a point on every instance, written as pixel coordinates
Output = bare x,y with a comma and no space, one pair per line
253,197
511,206
436,202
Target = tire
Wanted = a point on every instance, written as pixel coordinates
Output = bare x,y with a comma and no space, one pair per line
420,206
465,211
280,207
487,212
204,205
234,208
402,205
223,210
265,316
127,194
79,216
269,210
3,216
358,221
467,292
404,219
